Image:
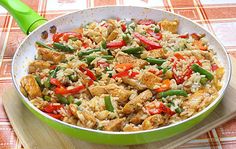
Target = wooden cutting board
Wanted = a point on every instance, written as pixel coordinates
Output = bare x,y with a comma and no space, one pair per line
35,134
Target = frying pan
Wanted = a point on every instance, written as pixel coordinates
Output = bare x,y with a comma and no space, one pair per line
29,21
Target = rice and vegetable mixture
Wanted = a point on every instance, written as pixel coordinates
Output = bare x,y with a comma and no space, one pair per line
118,75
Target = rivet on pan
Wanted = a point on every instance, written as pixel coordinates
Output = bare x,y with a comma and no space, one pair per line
53,29
44,35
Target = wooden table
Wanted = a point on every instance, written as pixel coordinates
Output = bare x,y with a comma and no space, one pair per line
218,16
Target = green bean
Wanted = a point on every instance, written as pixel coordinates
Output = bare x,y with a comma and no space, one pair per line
71,99
108,103
178,110
41,44
74,38
38,80
104,44
89,59
156,30
47,98
108,57
155,61
125,37
203,81
47,83
62,99
54,72
64,48
73,78
78,103
197,68
83,53
172,92
134,50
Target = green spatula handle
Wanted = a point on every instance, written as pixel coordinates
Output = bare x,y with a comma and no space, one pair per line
26,18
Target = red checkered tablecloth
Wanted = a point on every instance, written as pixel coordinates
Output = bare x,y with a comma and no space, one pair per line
218,16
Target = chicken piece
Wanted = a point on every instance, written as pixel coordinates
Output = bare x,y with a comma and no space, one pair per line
171,26
86,119
153,121
114,125
112,35
119,92
134,104
150,80
38,65
134,83
49,55
131,127
102,115
73,109
139,117
111,89
31,86
158,53
125,58
198,100
97,90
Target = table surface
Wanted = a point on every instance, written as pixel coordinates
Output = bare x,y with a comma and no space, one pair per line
218,16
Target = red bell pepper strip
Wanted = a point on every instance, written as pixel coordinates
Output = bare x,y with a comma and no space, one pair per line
103,64
121,74
53,67
165,86
178,79
123,27
88,73
56,116
55,82
145,22
52,107
147,42
154,108
116,44
214,67
179,56
76,89
125,74
124,66
195,36
133,74
85,45
184,36
157,36
56,37
62,90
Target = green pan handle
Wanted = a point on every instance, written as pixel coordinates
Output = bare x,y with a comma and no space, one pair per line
26,18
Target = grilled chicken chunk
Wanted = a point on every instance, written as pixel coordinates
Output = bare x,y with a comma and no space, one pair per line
38,65
31,87
134,83
158,53
153,121
171,26
150,80
114,125
112,89
49,55
134,104
125,58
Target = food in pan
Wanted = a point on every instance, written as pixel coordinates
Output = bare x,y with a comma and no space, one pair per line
118,75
